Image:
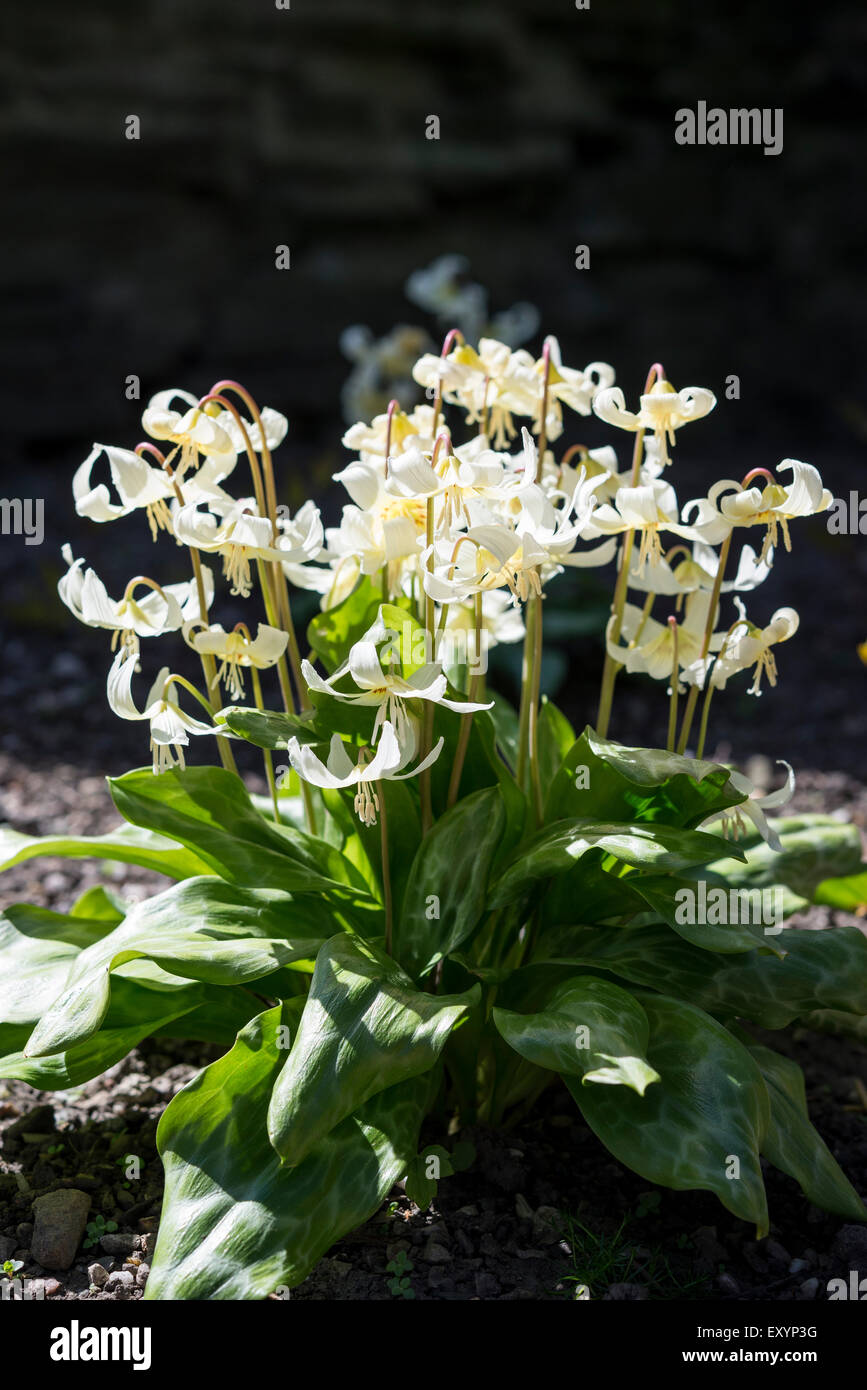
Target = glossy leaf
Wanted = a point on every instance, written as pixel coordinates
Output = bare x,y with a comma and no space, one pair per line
204,930
587,1028
613,782
236,1222
744,913
793,1145
127,844
556,849
702,1125
447,887
365,1026
209,810
820,970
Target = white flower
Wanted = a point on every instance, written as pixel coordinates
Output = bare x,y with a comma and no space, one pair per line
385,689
197,430
698,571
748,645
662,409
242,535
573,387
237,649
754,807
773,505
340,771
161,609
274,424
137,482
650,508
407,430
471,473
170,726
492,381
651,645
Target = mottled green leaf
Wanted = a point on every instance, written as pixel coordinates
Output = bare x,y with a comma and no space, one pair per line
128,844
203,929
612,782
447,886
793,1145
236,1222
555,850
208,809
585,1027
365,1026
702,1125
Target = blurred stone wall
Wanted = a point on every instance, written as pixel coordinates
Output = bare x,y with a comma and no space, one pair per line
306,126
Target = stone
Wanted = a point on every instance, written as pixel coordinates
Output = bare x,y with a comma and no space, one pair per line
60,1221
97,1274
486,1285
8,1245
121,1279
118,1243
547,1223
808,1289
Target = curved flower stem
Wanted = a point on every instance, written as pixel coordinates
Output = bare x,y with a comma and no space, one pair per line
188,685
386,868
675,683
467,719
689,711
209,665
266,501
266,755
611,668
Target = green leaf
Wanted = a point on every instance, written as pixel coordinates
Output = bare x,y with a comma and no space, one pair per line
706,1118
555,850
556,738
585,1027
128,844
331,634
34,971
814,848
612,782
136,1012
236,1223
848,893
365,1026
447,887
820,970
793,1145
421,1188
39,923
99,904
268,728
203,929
208,809
744,913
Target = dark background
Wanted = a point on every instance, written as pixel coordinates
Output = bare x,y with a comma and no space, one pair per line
307,127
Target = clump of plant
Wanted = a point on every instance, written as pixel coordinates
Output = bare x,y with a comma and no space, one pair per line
96,1229
444,903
